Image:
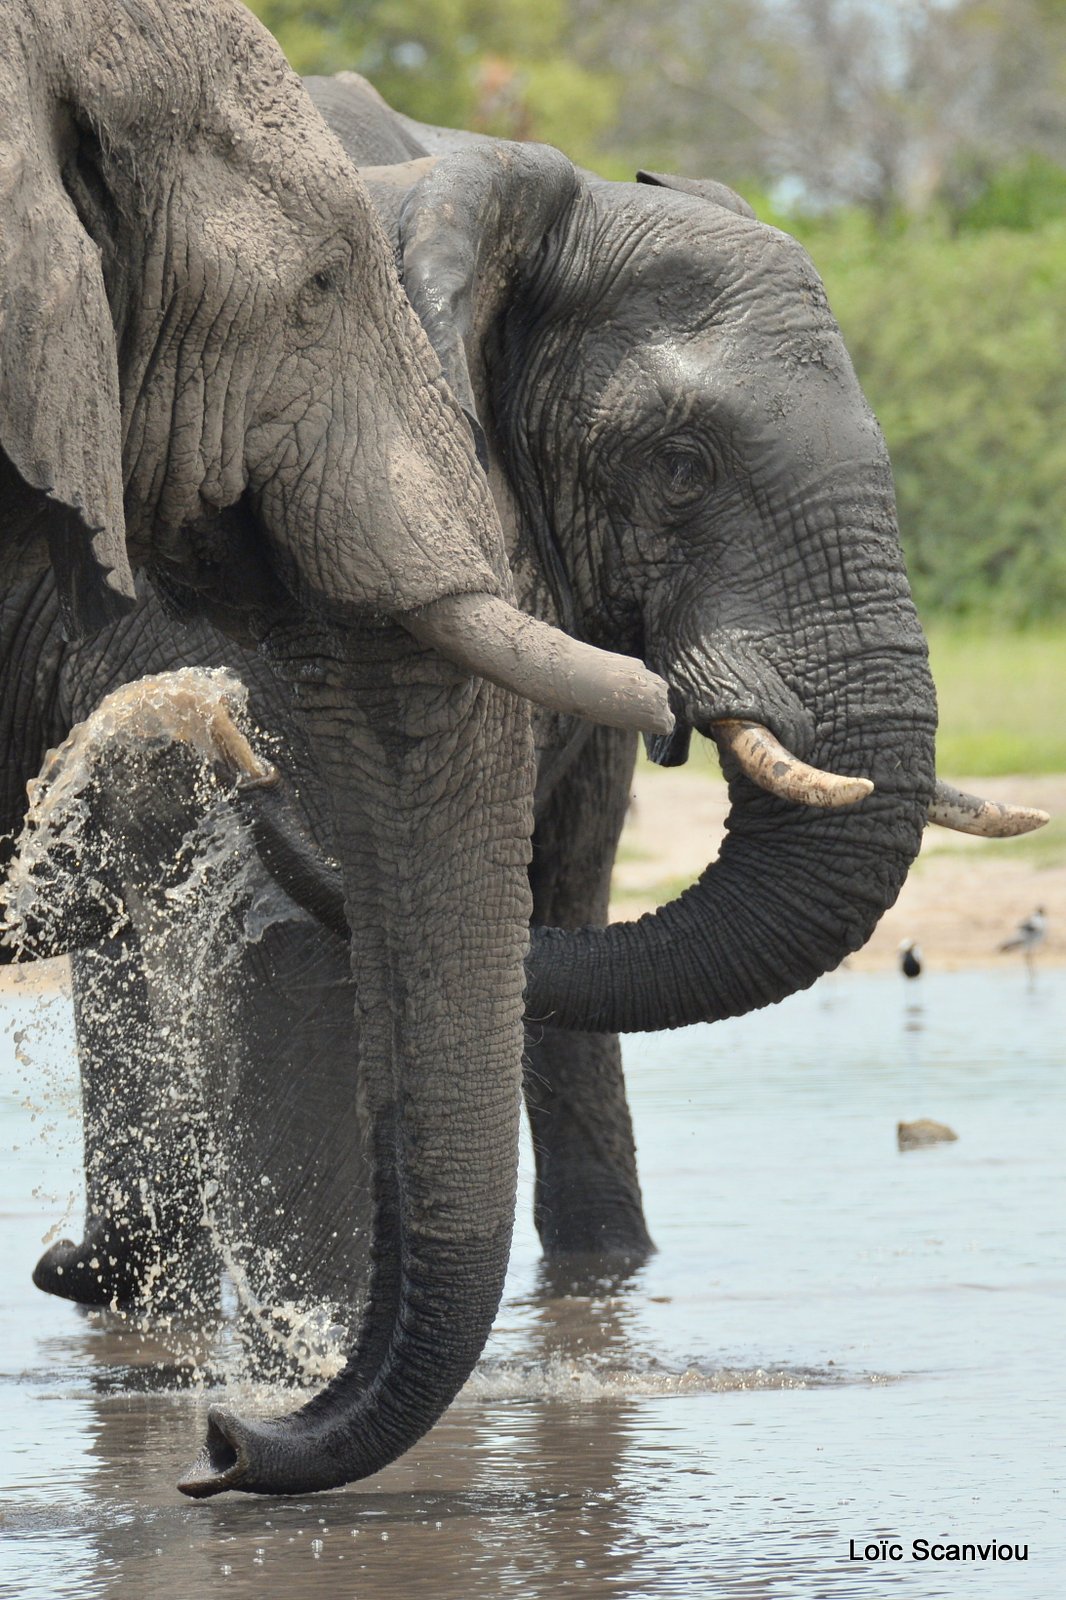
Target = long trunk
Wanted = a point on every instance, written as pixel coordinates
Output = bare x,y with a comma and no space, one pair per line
793,890
432,782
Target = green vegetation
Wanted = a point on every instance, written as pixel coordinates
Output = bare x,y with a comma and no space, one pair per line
959,343
498,66
1001,701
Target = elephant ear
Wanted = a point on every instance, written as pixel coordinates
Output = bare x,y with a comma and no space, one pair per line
59,393
718,194
468,230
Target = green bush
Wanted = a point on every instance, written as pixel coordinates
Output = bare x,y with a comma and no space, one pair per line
499,66
960,343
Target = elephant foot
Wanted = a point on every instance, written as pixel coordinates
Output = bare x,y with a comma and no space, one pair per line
585,1222
110,1267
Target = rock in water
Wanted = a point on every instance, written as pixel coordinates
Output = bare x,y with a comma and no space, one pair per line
913,1135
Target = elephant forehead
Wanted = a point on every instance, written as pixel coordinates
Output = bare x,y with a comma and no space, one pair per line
251,228
691,264
205,76
265,124
729,365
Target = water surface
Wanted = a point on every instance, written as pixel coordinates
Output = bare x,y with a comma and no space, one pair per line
835,1342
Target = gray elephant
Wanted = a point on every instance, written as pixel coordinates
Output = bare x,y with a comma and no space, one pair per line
207,367
687,471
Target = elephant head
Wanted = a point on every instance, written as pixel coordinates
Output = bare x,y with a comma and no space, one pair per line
680,442
207,366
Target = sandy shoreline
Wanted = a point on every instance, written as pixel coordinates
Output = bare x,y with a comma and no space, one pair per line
963,896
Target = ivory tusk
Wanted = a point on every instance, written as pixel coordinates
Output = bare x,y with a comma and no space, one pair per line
764,760
484,635
991,819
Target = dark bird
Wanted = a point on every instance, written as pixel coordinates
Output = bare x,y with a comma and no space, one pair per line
1028,936
910,958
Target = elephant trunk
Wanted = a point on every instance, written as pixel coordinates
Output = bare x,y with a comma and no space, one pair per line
431,782
793,891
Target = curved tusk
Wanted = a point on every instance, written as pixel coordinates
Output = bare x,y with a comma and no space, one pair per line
991,819
764,760
484,635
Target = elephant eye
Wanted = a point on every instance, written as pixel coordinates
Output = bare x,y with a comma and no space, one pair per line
684,475
316,298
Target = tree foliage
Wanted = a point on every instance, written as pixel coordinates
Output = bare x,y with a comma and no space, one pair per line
959,345
498,66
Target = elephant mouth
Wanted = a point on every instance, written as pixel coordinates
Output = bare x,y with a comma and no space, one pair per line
708,696
750,747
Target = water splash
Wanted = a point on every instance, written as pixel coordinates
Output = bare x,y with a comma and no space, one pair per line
584,1380
133,826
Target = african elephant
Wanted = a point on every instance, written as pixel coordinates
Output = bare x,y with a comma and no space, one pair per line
687,470
208,368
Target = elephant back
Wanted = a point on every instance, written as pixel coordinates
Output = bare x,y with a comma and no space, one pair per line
370,131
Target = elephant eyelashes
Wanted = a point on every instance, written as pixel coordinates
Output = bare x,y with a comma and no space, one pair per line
685,476
323,282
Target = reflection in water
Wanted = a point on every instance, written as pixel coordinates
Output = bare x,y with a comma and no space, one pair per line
719,1421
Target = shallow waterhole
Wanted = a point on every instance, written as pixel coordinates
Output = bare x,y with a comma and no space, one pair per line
834,1342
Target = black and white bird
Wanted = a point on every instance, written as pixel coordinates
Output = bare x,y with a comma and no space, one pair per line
1029,935
910,959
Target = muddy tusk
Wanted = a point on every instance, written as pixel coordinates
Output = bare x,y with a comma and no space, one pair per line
990,819
484,635
764,760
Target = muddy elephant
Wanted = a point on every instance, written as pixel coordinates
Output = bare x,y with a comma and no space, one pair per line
208,368
687,471
674,436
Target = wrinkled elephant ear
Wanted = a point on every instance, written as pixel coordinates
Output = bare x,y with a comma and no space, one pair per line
718,194
59,395
467,230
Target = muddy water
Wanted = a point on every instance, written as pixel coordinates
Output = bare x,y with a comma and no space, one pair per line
835,1343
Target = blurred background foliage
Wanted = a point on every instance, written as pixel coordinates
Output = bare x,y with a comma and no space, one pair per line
917,147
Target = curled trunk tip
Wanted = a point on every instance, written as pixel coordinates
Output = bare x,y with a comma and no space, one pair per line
767,762
223,1462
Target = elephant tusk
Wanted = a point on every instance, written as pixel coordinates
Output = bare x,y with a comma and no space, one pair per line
990,819
764,760
484,635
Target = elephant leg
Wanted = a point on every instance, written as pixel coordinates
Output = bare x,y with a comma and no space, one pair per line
587,1198
127,820
145,1243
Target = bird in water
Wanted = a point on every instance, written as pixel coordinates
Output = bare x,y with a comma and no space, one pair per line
910,959
1028,936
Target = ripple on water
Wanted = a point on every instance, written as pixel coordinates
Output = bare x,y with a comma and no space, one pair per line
721,1423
